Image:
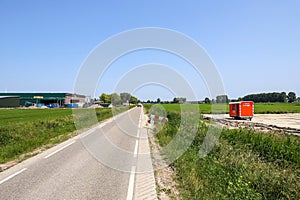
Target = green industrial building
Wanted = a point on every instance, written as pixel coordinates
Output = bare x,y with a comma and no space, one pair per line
25,99
9,101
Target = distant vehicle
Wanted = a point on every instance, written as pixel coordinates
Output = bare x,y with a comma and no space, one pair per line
139,105
53,105
72,105
241,110
28,104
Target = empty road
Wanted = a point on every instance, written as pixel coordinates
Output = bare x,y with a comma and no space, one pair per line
101,163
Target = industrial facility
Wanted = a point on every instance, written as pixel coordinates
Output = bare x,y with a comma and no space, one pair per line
11,100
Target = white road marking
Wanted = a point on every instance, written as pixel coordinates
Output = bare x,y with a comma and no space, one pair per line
58,150
13,175
131,183
140,121
138,133
136,149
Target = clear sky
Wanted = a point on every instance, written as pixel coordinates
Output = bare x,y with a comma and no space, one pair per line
255,45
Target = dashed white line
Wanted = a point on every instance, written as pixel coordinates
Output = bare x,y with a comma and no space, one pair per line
131,183
136,149
58,150
13,175
133,168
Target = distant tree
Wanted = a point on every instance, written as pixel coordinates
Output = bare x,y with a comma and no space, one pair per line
175,100
291,97
207,100
298,99
179,100
283,97
158,100
148,101
133,100
222,99
125,97
105,98
115,99
266,97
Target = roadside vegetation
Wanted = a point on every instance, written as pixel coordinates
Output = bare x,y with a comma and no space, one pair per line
243,165
26,130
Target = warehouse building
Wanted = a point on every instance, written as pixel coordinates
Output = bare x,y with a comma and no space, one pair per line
9,101
27,99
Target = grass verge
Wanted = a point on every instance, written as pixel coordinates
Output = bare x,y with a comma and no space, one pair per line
243,165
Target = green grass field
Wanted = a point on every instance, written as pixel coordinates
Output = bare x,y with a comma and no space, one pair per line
25,130
259,108
242,165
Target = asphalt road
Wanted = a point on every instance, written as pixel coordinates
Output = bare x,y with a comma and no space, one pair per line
98,164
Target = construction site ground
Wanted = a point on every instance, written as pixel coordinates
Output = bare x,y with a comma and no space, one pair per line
286,123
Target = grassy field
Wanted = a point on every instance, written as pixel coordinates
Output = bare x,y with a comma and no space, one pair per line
243,165
25,130
260,108
276,108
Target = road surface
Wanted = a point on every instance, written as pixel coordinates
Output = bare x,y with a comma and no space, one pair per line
101,163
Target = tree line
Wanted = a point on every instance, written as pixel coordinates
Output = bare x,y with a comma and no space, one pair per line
271,97
258,98
175,100
118,99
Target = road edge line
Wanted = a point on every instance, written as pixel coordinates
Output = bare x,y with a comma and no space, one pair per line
131,183
58,150
13,175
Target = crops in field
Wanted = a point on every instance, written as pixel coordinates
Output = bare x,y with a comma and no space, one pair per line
243,165
25,130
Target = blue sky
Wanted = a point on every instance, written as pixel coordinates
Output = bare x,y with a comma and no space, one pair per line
255,45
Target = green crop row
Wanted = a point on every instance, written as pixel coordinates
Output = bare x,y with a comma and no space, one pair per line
242,165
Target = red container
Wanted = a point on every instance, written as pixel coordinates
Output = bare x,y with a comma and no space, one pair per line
241,110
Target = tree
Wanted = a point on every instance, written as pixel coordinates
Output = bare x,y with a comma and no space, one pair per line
125,97
105,98
291,97
175,100
133,100
282,97
158,100
207,100
179,100
222,99
115,99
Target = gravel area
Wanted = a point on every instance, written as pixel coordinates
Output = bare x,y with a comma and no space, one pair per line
286,123
281,120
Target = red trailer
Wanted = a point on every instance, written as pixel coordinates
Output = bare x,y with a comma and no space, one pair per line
241,110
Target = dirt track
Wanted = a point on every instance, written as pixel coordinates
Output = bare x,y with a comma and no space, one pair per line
287,123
